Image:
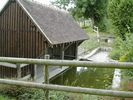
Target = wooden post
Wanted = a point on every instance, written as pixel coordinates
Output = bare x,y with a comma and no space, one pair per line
63,52
46,49
76,51
46,73
46,81
97,32
18,71
35,71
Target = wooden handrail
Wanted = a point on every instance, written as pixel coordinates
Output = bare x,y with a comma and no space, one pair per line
73,63
101,92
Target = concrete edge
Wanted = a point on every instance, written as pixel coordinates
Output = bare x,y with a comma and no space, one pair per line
93,52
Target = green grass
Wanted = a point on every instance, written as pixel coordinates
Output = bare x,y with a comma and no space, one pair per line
89,30
56,95
4,97
92,42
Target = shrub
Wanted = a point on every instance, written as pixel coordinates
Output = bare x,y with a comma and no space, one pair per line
122,49
121,14
123,52
22,93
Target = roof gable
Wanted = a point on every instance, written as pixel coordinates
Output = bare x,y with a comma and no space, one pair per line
56,25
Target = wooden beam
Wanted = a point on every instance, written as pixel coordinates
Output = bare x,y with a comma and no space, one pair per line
91,91
119,65
68,46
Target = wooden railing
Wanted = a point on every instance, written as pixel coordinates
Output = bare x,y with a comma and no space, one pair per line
48,86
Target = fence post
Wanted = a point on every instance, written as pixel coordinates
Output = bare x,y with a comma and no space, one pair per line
18,71
46,81
97,32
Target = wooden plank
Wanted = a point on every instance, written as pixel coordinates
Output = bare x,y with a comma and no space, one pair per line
7,64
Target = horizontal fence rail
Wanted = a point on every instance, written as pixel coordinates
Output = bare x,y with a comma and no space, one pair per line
91,91
69,63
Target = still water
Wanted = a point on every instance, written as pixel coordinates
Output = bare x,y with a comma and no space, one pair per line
86,77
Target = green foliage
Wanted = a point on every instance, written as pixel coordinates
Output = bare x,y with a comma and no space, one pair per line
62,4
92,42
21,93
123,51
121,14
94,9
116,52
88,30
3,97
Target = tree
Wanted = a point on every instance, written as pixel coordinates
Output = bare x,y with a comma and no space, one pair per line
62,4
94,9
121,14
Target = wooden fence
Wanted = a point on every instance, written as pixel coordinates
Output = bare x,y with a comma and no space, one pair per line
48,86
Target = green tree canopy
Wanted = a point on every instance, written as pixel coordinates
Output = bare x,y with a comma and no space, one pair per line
62,4
121,14
94,9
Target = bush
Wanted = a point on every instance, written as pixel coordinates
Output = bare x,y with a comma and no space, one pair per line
3,97
117,49
123,52
122,49
121,14
22,93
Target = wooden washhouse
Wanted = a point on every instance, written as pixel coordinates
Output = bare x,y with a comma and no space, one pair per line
32,30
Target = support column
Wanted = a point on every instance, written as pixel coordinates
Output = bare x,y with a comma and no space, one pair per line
35,71
46,48
62,52
18,71
76,51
